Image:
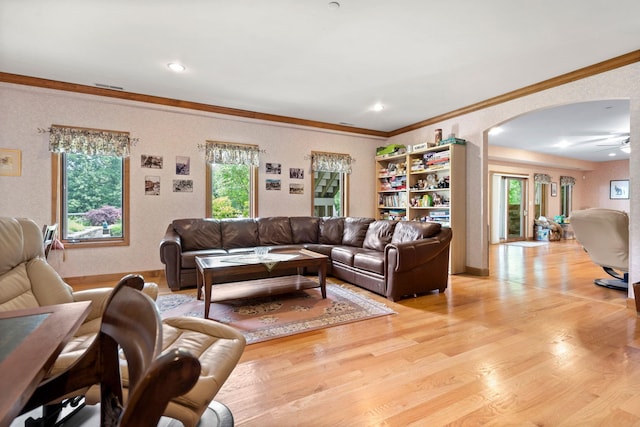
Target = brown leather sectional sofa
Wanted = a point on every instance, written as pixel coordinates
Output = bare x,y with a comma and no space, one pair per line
391,258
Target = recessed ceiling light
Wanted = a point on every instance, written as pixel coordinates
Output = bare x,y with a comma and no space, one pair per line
175,66
378,106
612,154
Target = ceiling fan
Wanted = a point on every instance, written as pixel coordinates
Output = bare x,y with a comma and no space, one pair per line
621,141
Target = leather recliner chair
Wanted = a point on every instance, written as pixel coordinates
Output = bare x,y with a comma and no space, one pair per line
604,234
27,280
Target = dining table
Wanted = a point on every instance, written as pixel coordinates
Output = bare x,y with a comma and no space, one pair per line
30,341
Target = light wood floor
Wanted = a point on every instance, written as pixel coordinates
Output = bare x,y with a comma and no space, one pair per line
534,344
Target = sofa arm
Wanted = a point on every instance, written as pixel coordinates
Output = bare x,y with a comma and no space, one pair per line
170,245
171,256
406,256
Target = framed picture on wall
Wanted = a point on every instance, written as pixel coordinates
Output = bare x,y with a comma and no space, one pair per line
10,162
554,189
619,189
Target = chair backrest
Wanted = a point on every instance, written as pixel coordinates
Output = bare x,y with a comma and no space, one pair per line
604,234
130,323
26,279
49,235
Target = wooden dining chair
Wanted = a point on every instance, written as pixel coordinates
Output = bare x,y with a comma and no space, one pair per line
130,324
49,235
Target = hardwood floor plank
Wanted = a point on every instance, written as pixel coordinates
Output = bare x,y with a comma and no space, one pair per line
534,344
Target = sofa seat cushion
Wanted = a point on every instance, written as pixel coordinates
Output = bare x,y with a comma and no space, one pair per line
369,260
320,248
199,233
379,234
188,258
275,230
345,254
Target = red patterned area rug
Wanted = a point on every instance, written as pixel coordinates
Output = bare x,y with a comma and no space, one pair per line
261,319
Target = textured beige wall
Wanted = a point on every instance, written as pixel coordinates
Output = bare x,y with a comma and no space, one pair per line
623,83
167,132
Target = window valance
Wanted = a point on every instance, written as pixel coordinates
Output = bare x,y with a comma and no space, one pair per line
226,153
331,162
92,142
542,178
567,180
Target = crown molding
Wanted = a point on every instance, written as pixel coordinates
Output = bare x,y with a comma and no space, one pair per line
601,67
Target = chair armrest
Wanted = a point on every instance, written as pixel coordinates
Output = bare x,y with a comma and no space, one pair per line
406,256
98,298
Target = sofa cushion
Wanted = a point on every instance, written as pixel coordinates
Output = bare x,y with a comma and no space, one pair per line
370,260
198,233
355,230
239,233
274,230
345,254
304,229
379,234
331,229
406,231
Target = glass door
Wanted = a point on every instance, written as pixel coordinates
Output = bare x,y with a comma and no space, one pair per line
513,208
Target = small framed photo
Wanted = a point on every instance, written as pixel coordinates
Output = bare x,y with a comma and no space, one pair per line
183,186
273,168
296,173
554,189
619,189
273,184
10,162
183,165
151,185
153,162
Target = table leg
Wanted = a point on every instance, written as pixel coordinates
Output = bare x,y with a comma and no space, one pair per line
207,293
199,280
322,279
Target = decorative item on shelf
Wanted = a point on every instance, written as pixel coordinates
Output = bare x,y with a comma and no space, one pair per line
431,181
418,147
443,182
391,150
438,136
453,140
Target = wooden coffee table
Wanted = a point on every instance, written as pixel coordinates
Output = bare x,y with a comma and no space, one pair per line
211,268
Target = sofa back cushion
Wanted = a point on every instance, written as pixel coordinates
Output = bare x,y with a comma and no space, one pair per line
304,229
331,229
274,230
198,233
406,231
379,234
355,230
239,233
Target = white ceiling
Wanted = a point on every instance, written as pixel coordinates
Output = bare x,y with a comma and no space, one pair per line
303,59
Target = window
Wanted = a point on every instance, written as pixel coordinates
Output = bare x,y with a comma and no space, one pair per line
541,186
540,199
566,195
90,186
330,183
232,171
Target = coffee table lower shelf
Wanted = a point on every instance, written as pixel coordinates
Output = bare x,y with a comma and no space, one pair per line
262,287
